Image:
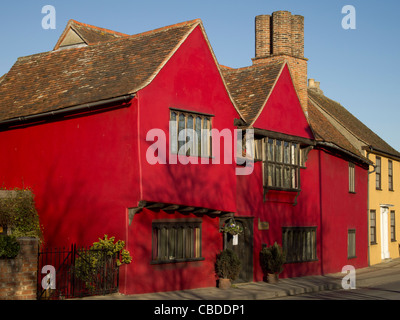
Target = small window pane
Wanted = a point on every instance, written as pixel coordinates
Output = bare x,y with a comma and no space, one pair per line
286,152
173,133
181,133
190,136
270,150
198,135
278,151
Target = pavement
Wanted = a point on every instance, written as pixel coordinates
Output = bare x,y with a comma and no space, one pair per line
385,272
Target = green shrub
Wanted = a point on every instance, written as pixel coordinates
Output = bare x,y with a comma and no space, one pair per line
9,247
103,254
272,259
19,214
227,265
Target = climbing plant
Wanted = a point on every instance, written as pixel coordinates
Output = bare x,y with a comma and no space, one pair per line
18,213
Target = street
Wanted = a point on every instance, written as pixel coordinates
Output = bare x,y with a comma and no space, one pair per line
388,291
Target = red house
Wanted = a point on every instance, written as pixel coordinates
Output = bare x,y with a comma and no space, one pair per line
308,190
94,129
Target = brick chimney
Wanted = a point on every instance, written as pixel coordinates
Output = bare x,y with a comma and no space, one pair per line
280,37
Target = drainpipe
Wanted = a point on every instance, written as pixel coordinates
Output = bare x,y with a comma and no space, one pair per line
66,111
321,212
368,222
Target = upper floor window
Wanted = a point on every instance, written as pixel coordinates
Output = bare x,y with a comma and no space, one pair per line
352,184
390,174
282,165
190,133
378,169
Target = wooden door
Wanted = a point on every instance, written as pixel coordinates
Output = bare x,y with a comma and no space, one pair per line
243,248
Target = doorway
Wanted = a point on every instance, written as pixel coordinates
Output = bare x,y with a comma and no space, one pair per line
385,233
243,247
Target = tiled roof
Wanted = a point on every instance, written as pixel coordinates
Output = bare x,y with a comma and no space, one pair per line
325,131
64,78
351,123
90,34
250,87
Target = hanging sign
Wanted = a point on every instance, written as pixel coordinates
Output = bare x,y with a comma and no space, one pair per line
235,240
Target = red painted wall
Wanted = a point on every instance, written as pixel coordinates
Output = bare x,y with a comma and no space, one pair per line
341,211
283,112
189,81
324,201
279,211
331,208
81,170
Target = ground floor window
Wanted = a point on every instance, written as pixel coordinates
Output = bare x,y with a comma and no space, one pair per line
299,243
372,226
176,241
392,225
351,243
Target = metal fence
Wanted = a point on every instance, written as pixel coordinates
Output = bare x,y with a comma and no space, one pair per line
76,272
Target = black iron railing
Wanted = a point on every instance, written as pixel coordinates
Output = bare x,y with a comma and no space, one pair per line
76,272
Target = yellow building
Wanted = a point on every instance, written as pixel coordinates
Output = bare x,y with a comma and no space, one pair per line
384,206
384,178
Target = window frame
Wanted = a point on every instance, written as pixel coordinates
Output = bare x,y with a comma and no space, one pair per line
378,173
304,236
372,226
390,175
191,248
195,150
351,244
352,178
393,225
286,156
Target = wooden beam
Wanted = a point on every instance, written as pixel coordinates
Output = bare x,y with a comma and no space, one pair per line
132,212
171,208
201,210
185,209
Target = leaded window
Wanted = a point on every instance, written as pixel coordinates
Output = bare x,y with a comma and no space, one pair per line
282,165
176,241
190,133
299,243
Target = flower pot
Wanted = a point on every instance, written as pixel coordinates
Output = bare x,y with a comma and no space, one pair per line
224,284
272,277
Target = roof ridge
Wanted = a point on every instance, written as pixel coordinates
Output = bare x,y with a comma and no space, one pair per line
260,66
161,29
97,28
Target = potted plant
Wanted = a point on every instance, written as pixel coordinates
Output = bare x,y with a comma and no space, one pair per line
227,268
272,259
232,227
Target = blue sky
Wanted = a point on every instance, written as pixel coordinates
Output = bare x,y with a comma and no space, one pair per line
358,68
